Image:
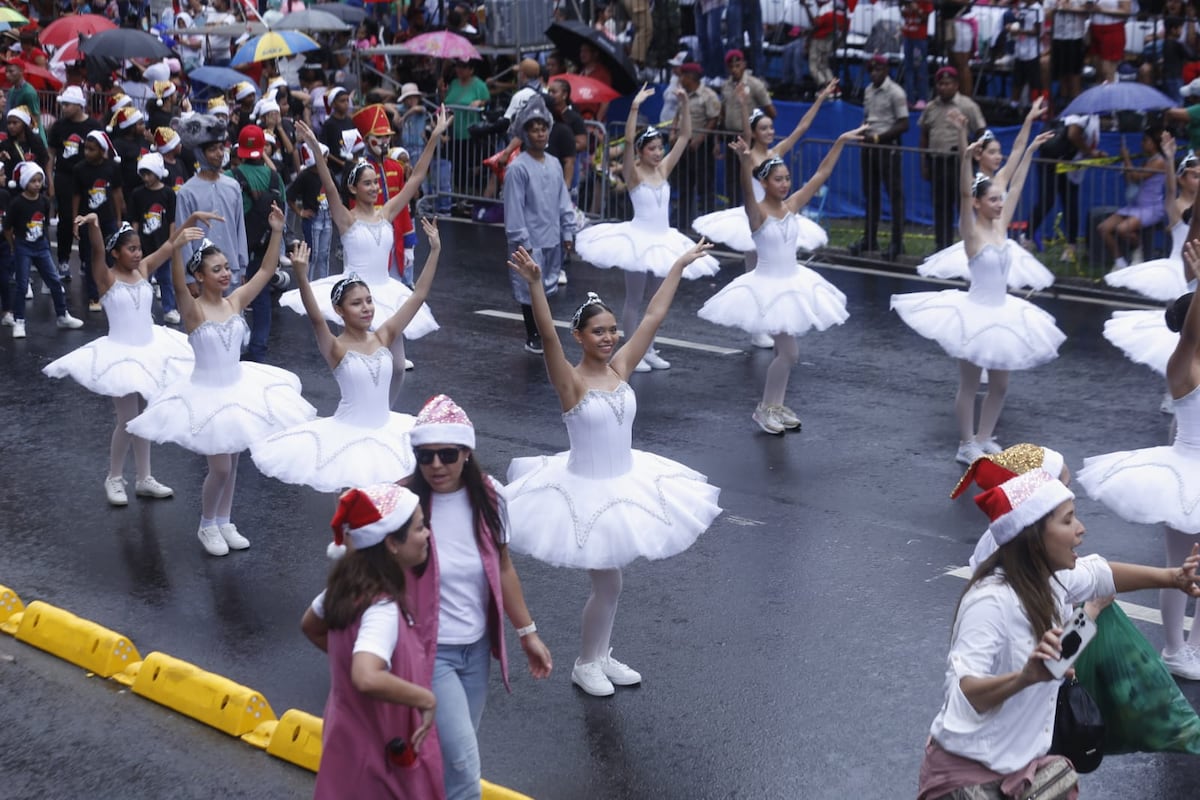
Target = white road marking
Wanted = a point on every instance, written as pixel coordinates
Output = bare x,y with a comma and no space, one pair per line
1133,610
743,521
705,348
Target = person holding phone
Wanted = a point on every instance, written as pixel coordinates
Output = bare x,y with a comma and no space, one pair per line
995,726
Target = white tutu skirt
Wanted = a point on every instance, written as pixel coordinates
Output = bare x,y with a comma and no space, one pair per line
107,367
330,455
640,248
656,510
1014,335
1025,271
1143,336
731,227
795,303
388,297
1160,279
1157,485
212,420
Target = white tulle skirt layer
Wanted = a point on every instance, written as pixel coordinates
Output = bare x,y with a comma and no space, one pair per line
1143,336
731,227
1160,279
1025,271
113,369
795,303
640,248
1157,485
388,297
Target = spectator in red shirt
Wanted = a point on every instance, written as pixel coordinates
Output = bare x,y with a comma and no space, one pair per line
915,29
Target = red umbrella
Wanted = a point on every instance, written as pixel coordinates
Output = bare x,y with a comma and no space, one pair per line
68,53
67,29
587,90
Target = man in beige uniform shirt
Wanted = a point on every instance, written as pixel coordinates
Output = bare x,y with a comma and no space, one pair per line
734,113
885,113
939,137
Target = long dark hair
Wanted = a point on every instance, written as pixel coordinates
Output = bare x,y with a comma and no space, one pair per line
1027,570
362,577
484,503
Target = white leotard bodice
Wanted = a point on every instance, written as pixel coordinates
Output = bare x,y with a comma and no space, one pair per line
651,205
127,306
776,243
218,349
364,381
1187,420
989,275
367,247
600,428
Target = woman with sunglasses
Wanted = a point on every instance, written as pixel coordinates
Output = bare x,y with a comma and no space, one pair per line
603,504
476,585
364,442
137,357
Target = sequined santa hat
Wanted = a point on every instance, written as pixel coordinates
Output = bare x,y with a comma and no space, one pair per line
1020,502
217,105
23,173
243,90
442,421
166,139
24,114
119,101
163,90
101,138
366,516
125,118
994,469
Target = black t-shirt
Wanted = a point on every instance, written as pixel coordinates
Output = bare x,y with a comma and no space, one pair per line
575,120
5,200
159,118
95,184
66,140
13,152
562,141
130,150
331,135
307,191
153,212
29,219
177,173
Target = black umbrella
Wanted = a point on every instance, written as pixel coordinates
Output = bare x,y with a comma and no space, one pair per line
125,43
568,36
351,15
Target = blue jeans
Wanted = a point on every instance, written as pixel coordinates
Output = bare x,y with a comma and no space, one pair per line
166,287
708,30
795,61
318,233
260,322
36,255
745,16
460,678
438,180
916,69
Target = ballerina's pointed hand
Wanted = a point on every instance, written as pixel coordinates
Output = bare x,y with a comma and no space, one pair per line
89,219
523,264
644,95
275,219
192,234
207,217
300,254
699,249
739,146
429,225
1041,139
829,89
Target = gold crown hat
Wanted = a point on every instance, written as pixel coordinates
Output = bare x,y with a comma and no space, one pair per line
992,469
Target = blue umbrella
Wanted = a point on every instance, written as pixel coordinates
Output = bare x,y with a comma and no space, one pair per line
220,77
1121,96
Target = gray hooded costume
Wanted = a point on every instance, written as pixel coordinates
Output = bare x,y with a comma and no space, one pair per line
222,196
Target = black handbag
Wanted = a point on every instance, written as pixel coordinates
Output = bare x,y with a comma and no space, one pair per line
1078,727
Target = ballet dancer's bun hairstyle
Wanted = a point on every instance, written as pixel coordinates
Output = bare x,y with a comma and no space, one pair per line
980,186
646,137
592,306
1177,312
341,287
206,249
764,169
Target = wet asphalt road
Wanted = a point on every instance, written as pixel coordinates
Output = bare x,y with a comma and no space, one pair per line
796,651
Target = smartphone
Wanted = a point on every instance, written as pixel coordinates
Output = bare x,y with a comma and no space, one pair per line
1076,635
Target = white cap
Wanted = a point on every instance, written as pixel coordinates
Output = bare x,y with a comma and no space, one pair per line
678,59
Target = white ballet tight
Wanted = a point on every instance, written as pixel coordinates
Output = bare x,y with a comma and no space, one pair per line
787,353
599,613
397,383
216,497
1172,602
636,284
122,441
989,411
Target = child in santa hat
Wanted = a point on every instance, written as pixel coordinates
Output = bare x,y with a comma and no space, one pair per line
98,190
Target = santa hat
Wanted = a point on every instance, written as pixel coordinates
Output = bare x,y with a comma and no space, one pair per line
217,105
243,90
442,421
276,84
23,173
119,101
399,154
352,142
160,71
1020,502
307,159
125,118
166,139
101,138
22,113
367,516
153,162
994,469
163,90
264,106
332,95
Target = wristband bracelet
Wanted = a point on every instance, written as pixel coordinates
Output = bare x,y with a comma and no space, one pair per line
528,629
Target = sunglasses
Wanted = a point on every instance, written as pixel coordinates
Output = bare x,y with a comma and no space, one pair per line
446,455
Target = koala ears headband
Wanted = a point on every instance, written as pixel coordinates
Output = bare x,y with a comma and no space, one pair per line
593,299
111,242
764,169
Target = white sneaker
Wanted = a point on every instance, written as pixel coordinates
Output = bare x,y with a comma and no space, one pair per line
764,340
408,365
67,321
590,677
562,277
766,419
210,537
643,366
235,540
785,417
7,320
19,329
1184,662
28,291
991,446
149,487
114,489
45,290
655,360
1137,256
157,291
967,452
172,317
1120,263
617,673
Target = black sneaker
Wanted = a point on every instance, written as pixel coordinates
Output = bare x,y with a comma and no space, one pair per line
534,345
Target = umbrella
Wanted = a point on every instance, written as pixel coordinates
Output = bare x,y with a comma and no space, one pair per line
12,15
67,53
220,77
68,29
587,90
1108,97
251,27
311,20
442,44
569,36
348,14
273,44
123,44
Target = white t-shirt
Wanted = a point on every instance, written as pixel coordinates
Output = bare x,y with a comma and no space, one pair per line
1029,17
992,636
1066,25
219,46
463,602
377,633
1100,18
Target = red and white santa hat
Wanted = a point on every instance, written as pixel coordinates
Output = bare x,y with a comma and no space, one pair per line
442,421
307,159
352,142
101,138
166,139
332,95
1021,501
367,516
23,173
119,101
125,118
993,469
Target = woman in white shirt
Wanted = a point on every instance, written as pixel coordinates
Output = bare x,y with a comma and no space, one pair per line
995,727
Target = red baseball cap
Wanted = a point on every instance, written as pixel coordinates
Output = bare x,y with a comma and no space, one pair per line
250,142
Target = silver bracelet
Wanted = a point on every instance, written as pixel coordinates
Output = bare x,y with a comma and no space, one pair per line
528,629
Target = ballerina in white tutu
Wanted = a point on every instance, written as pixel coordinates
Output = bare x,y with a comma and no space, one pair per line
984,327
224,405
1161,485
364,442
780,298
647,246
137,357
1025,271
602,504
368,240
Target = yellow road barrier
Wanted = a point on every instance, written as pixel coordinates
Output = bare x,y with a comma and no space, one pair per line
204,696
83,643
